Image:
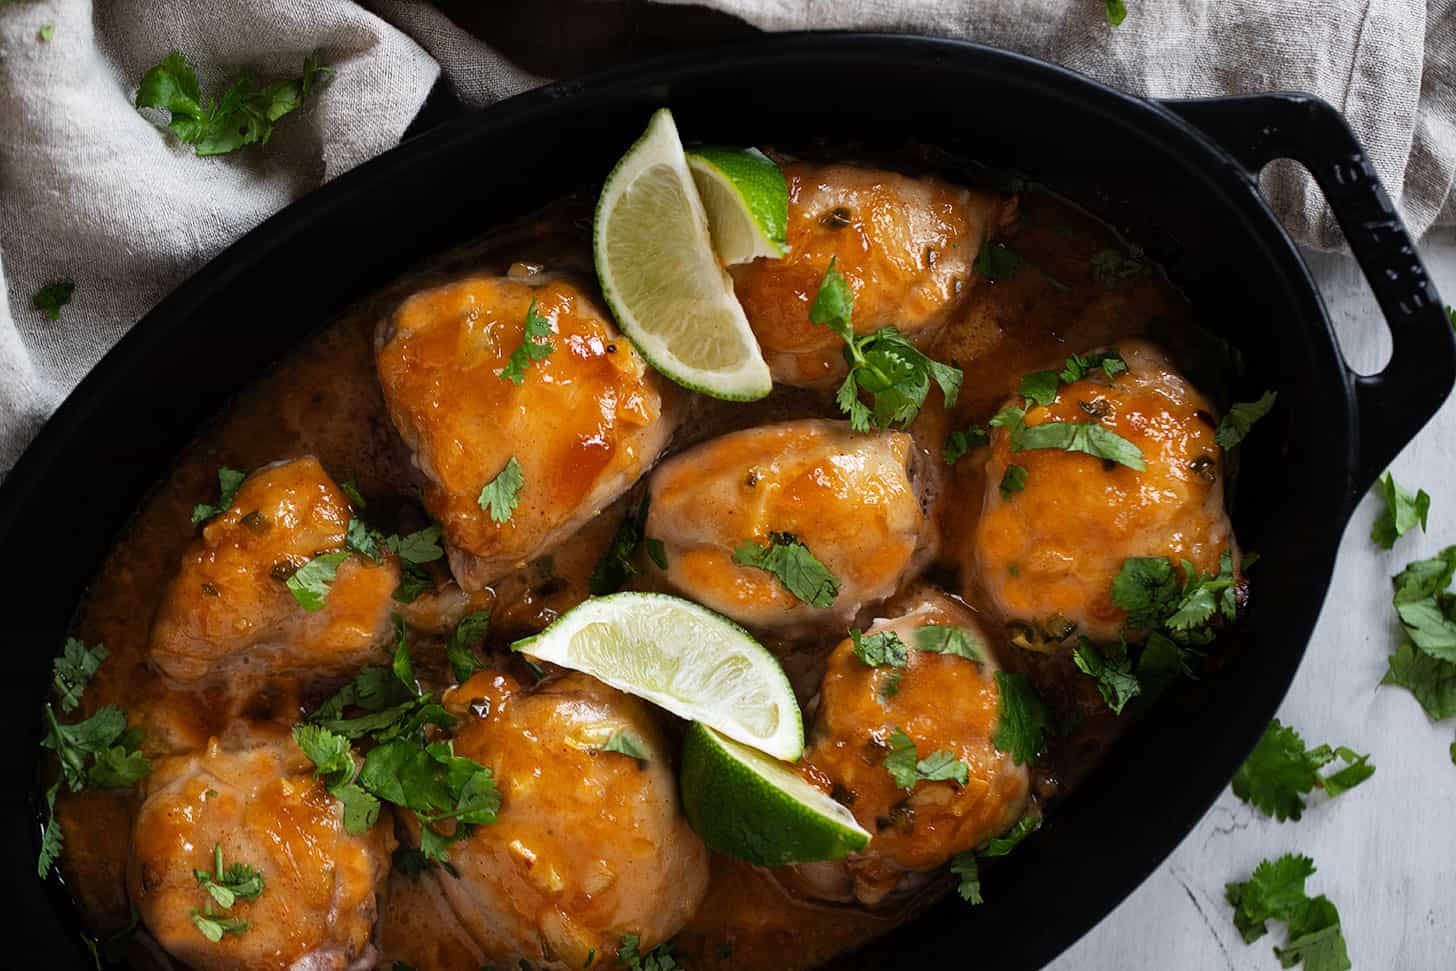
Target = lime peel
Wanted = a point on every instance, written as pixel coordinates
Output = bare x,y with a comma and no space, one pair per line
747,201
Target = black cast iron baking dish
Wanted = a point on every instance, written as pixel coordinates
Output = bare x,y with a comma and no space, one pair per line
1176,178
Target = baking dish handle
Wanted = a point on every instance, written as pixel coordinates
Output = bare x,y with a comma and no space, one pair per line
1394,404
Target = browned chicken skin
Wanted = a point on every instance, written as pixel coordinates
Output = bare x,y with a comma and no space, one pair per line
855,500
588,845
1047,555
228,608
265,809
585,422
904,245
944,703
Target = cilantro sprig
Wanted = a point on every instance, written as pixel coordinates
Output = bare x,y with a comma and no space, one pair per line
1401,514
535,346
413,549
1281,771
500,496
100,752
884,365
966,865
800,571
1424,663
229,885
1276,891
228,483
245,114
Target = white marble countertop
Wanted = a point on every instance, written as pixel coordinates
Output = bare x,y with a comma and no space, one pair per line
1385,852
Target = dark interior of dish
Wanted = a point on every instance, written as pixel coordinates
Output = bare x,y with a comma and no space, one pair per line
1156,185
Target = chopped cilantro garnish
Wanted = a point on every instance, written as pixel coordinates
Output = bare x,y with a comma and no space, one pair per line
1022,720
1148,588
46,33
1111,266
907,770
1111,668
617,564
1276,891
1091,438
1116,12
947,639
1241,418
1424,663
535,346
310,583
1078,366
228,483
72,671
997,261
965,866
660,958
228,886
246,113
1401,514
1280,771
1013,480
961,441
882,648
502,494
50,298
351,489
214,926
1039,387
628,744
460,652
884,364
797,569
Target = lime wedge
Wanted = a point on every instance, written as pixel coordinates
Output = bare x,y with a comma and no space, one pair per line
747,201
658,272
681,657
751,807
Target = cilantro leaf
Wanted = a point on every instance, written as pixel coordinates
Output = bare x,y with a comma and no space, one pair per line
228,483
350,488
616,565
1022,719
502,494
334,764
1040,387
965,865
52,839
1078,366
943,767
1111,668
1111,266
1146,588
660,958
310,583
50,298
900,762
245,114
72,671
961,441
1013,480
214,926
363,540
1116,12
1280,771
882,648
460,652
1241,418
626,743
1401,513
1425,578
1276,892
947,639
997,261
46,33
797,569
1090,438
1431,680
421,546
535,346
885,365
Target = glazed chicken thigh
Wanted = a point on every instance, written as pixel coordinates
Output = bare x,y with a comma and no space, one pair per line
588,845
264,809
904,245
855,501
944,703
229,609
584,422
1047,555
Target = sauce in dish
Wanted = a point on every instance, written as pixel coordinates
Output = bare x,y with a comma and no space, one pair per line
347,764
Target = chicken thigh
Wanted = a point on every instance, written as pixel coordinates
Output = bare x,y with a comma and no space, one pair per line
905,246
588,845
512,469
944,703
261,808
229,608
855,501
1047,555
